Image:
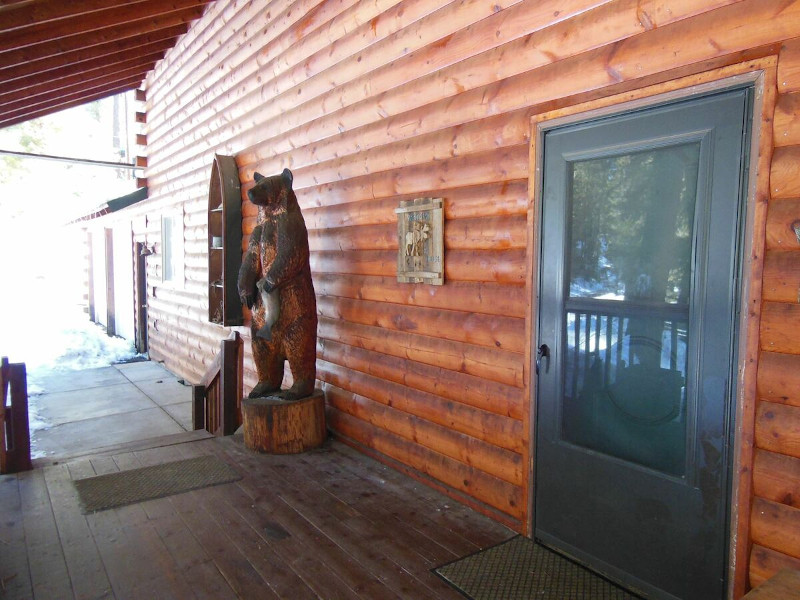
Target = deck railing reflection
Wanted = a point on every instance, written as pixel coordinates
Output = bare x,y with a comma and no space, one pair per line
624,385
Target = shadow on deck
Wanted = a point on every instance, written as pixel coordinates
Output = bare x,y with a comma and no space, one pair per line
331,523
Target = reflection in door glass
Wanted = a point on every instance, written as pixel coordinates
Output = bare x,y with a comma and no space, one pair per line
631,227
627,312
625,388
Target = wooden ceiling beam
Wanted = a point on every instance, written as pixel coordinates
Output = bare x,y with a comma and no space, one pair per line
25,14
101,36
7,120
156,41
55,54
78,24
38,85
60,97
87,86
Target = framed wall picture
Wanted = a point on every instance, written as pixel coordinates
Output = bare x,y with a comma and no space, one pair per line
420,238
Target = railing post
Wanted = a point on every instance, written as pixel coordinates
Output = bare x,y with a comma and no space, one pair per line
215,401
229,385
19,413
4,389
15,452
198,407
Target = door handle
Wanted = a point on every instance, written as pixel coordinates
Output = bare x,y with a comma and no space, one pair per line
542,352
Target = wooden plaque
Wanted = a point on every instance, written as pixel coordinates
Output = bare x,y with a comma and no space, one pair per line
420,241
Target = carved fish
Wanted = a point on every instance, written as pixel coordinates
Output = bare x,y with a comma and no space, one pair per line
272,309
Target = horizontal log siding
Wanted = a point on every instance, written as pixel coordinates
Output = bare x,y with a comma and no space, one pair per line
775,525
371,102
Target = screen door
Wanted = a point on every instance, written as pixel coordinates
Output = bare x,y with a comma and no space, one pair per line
638,287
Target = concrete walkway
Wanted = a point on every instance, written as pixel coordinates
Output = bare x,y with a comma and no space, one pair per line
86,411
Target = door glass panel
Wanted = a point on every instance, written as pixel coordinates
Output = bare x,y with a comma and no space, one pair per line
630,251
631,226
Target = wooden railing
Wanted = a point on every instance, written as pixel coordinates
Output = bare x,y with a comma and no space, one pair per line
15,438
216,401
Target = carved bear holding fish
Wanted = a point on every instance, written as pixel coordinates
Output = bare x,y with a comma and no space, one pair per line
275,283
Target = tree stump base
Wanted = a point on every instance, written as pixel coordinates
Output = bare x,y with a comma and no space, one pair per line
278,426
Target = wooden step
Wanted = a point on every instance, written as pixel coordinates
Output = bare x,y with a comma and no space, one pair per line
784,585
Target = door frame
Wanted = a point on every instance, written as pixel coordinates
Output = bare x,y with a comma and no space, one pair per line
111,326
90,276
140,295
761,75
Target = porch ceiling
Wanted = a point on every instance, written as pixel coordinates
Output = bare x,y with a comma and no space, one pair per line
56,54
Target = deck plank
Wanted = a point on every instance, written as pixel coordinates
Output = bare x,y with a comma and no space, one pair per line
15,579
186,553
189,556
84,563
466,529
378,542
274,532
338,476
403,539
331,524
376,547
271,564
130,547
265,486
234,566
48,567
277,530
183,558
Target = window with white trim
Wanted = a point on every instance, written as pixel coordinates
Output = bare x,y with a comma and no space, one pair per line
172,253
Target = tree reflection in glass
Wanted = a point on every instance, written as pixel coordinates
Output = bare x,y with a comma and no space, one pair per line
627,308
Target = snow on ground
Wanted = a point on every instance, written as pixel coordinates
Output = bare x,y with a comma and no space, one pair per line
42,321
43,279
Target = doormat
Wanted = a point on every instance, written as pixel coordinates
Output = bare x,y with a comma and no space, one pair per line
147,483
521,569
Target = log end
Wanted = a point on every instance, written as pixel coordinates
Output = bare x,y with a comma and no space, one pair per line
278,426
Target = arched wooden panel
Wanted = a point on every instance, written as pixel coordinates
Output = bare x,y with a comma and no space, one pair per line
224,242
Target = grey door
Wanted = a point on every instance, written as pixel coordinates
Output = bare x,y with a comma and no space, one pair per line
638,287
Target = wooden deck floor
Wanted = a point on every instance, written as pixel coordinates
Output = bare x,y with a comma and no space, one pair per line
327,524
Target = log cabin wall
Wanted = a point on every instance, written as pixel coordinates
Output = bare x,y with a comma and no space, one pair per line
376,101
775,524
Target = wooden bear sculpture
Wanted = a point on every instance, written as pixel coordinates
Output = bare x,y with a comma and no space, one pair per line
275,283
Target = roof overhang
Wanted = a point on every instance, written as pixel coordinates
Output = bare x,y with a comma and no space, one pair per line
56,54
115,205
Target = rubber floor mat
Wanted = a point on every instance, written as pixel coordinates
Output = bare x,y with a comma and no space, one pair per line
521,569
147,483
